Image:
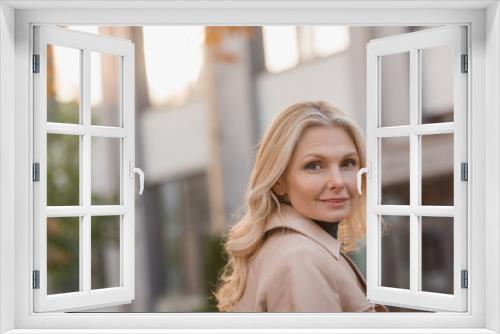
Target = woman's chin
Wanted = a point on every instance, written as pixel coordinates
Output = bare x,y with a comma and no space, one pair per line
335,215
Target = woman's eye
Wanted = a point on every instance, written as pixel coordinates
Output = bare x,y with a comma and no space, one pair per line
313,165
350,163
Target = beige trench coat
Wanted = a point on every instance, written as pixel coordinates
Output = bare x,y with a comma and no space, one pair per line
300,268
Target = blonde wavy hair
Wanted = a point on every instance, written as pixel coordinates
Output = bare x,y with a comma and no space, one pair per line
273,155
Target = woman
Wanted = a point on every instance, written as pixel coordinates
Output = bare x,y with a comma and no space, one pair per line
285,254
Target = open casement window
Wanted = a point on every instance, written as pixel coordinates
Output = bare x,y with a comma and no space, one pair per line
78,156
416,138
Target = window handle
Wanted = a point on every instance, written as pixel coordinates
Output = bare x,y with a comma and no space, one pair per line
359,174
135,170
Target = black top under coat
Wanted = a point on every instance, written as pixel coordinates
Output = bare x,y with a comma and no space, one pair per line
330,227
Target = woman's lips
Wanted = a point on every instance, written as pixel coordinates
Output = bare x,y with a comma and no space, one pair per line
338,199
335,202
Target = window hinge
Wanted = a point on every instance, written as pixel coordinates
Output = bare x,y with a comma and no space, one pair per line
36,63
465,64
464,171
465,279
36,171
36,279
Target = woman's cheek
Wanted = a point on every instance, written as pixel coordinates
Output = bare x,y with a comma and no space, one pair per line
313,183
350,179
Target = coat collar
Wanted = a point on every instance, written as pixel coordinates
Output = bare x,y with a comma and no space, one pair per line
289,218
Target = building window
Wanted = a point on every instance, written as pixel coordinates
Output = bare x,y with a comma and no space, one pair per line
288,46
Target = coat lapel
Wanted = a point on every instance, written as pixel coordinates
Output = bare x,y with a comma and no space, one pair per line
287,217
360,277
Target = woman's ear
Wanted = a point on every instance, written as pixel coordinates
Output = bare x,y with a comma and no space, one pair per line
279,188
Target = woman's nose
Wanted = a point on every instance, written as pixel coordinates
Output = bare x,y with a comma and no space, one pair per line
335,179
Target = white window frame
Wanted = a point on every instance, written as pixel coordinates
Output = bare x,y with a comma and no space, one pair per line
16,18
454,37
125,210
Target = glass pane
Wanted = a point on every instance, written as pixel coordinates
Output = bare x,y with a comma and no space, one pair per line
281,47
395,89
437,254
105,92
395,241
63,255
328,40
105,252
105,170
63,183
395,170
437,169
437,84
185,224
63,84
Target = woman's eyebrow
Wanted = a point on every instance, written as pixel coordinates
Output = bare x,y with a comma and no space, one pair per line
354,154
312,155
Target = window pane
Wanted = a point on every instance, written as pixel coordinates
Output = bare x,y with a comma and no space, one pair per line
106,85
395,170
63,84
437,254
331,39
63,255
106,169
280,47
437,169
185,215
184,57
63,183
395,241
105,252
395,89
437,84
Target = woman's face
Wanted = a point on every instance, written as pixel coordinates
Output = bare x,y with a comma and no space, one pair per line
320,180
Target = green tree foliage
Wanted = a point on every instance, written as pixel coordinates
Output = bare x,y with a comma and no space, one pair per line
62,189
215,261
